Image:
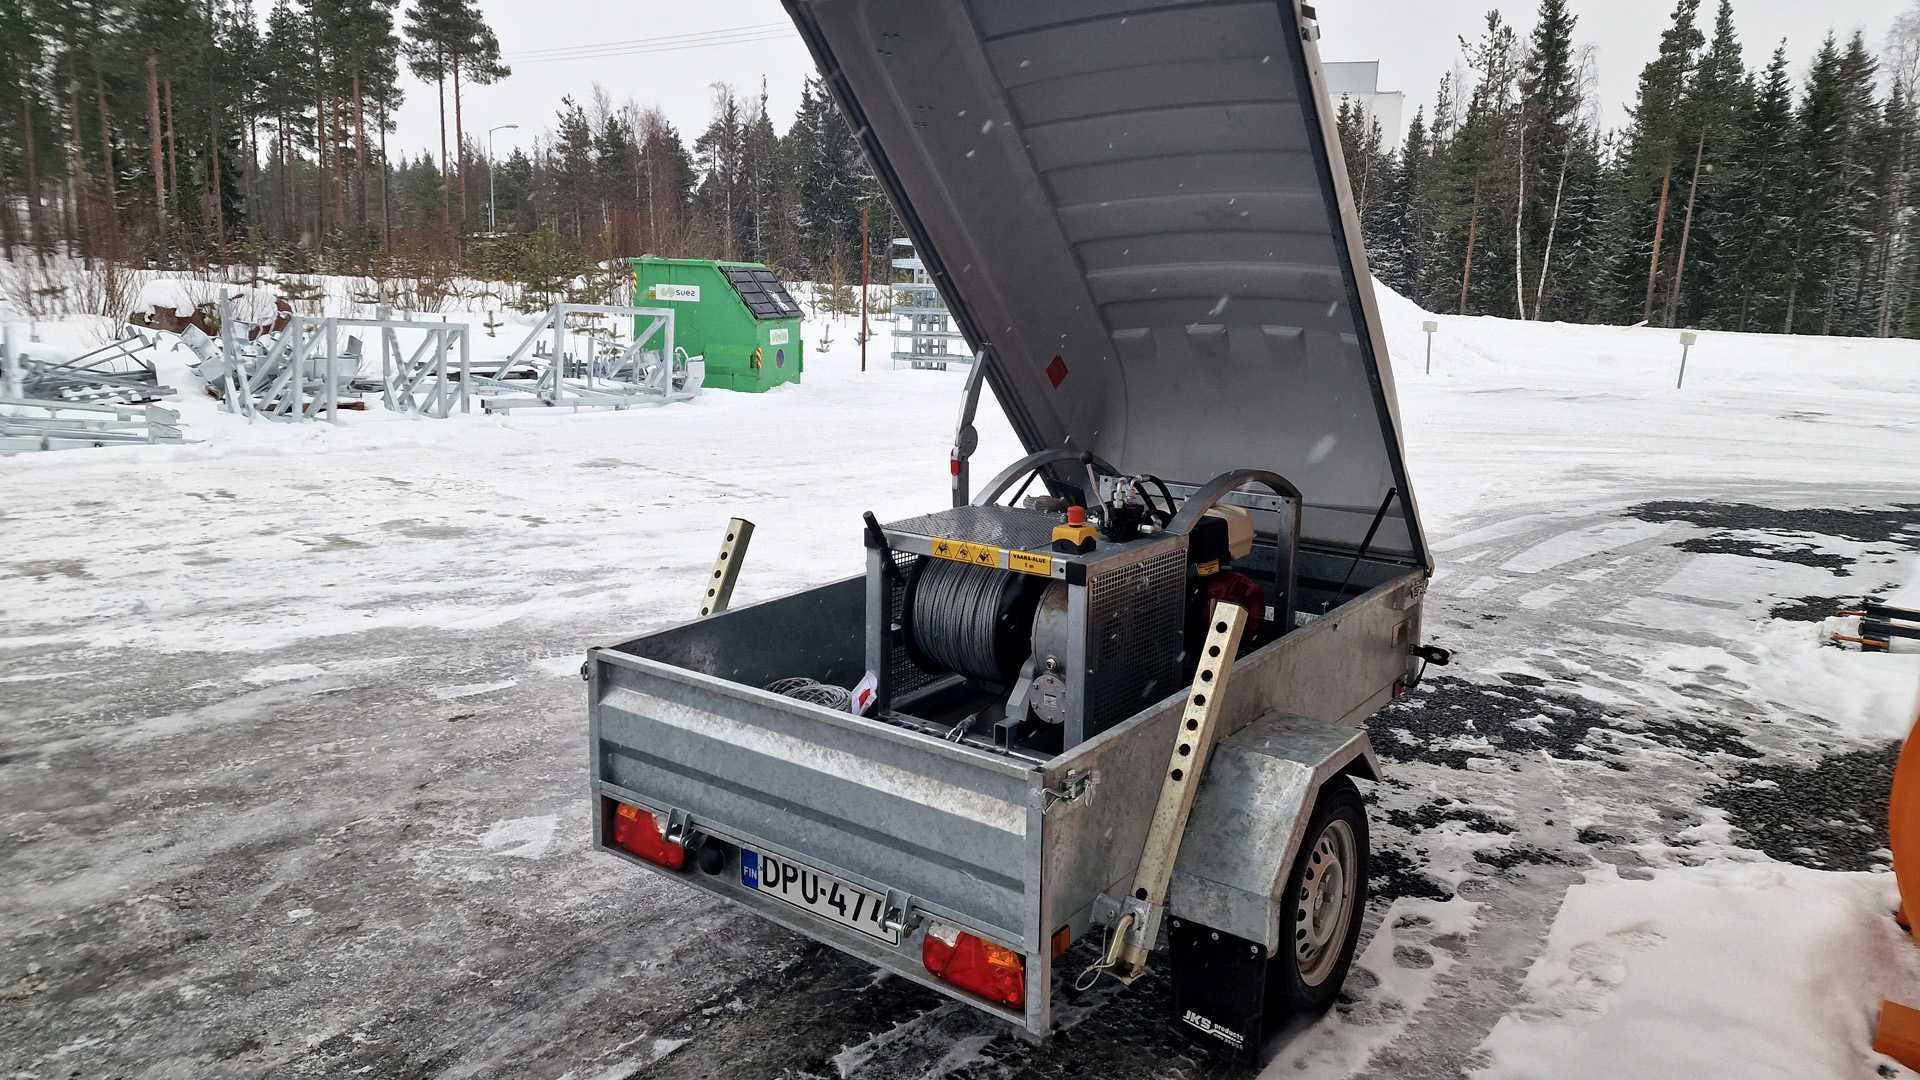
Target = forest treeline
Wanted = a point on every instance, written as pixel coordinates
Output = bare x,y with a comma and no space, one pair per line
161,132
193,131
1736,197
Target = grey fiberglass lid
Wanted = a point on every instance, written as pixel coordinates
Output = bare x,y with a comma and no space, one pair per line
1132,208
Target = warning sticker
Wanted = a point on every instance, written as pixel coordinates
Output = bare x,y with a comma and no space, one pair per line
961,551
1026,562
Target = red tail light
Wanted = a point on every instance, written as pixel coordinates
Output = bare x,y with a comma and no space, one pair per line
637,832
979,967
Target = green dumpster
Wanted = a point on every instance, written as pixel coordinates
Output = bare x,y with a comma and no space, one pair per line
735,314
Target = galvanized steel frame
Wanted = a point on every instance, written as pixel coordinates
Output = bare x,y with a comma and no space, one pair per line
1085,813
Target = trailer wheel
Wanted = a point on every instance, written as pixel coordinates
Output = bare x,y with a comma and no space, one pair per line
1320,911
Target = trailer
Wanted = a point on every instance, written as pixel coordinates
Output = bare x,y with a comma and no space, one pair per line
1118,694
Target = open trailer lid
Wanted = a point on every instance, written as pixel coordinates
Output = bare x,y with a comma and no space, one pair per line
1134,208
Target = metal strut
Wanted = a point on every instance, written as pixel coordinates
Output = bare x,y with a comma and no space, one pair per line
1138,922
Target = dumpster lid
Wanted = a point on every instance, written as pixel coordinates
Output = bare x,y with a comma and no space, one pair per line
1136,210
762,292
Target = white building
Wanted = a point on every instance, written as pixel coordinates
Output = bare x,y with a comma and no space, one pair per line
1359,82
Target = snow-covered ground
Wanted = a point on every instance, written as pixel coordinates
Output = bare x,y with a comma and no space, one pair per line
291,775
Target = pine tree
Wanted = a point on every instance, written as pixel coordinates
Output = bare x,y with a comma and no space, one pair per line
366,53
1820,179
1716,99
719,154
830,182
1487,192
1755,246
571,162
1550,96
763,175
1852,303
1407,201
432,32
1437,279
473,54
1654,141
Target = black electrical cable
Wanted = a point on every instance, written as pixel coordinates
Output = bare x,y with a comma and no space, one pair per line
1172,507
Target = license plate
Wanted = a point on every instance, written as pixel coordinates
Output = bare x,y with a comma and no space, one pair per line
822,894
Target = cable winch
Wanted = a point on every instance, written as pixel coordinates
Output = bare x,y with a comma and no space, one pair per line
1043,624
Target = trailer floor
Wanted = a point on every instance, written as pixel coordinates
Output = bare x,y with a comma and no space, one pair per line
324,815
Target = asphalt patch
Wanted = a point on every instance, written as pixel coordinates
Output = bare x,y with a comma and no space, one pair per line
1445,717
1811,609
1431,815
1524,855
1831,815
1392,874
1789,552
1897,524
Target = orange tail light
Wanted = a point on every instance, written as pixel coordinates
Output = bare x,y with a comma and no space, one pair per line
979,967
637,832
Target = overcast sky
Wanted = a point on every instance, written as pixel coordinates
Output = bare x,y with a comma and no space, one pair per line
671,53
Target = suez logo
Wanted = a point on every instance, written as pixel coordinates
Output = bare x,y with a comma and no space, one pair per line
1227,1035
690,293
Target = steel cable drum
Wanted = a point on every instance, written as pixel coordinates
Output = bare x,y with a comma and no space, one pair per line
971,620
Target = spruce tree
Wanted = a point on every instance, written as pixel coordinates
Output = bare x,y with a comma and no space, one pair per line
1818,231
1550,97
1755,232
1407,202
719,154
1655,138
1716,99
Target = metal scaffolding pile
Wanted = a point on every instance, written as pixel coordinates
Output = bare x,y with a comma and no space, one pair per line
303,370
541,372
32,424
120,371
922,326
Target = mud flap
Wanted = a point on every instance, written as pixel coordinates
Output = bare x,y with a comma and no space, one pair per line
1219,989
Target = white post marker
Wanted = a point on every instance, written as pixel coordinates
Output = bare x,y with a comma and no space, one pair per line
1429,326
9,363
1687,338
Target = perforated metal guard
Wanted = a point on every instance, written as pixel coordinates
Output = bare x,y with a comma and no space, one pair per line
1135,616
903,675
1001,526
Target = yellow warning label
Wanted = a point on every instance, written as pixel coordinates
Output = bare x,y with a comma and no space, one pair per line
1026,562
961,551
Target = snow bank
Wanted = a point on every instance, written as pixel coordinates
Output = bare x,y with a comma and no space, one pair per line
1731,969
163,294
1643,358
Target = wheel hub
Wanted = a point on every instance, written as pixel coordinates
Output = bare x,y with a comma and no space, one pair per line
1324,906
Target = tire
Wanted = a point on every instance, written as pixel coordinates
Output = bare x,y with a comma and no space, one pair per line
1320,911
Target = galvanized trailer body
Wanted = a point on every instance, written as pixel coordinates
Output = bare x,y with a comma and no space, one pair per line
1138,215
991,842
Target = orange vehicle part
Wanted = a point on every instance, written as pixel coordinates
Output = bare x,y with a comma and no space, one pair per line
1897,1034
1903,825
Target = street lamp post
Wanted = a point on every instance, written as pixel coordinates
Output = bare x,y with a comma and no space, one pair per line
493,219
